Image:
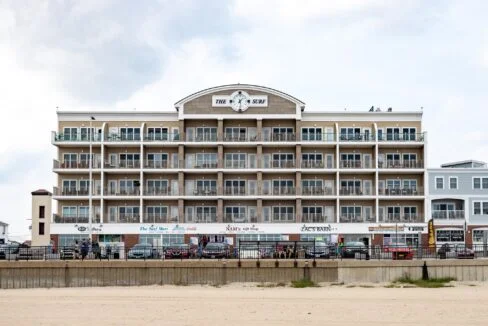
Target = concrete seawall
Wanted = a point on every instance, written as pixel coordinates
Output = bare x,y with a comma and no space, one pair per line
47,274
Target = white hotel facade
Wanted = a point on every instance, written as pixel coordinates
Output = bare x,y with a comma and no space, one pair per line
239,162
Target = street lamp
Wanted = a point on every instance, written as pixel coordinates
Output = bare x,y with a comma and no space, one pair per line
90,191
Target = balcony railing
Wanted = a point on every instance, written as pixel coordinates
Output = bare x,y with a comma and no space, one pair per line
205,165
62,137
251,164
240,138
202,192
317,191
158,218
283,218
280,191
160,191
357,137
401,218
354,218
135,191
201,218
356,164
448,214
401,137
324,137
316,218
117,137
411,191
282,164
238,191
154,164
239,218
75,191
163,137
280,137
75,219
313,165
128,218
356,191
76,165
123,164
207,137
396,164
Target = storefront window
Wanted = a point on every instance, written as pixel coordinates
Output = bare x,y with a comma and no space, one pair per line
411,240
450,236
259,237
69,239
162,239
478,236
315,237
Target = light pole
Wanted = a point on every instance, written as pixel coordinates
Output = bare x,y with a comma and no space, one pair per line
90,190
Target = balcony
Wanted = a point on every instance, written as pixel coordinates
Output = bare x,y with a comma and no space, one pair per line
280,137
280,191
323,138
240,138
401,218
356,164
356,137
159,218
123,164
354,218
75,191
160,191
317,191
76,165
206,137
417,191
128,218
238,191
240,164
317,218
406,164
201,218
204,165
356,191
134,191
400,137
283,218
239,218
448,214
282,164
75,219
114,137
313,165
66,138
202,192
153,164
162,137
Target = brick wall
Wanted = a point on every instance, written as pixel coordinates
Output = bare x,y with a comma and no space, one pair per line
130,240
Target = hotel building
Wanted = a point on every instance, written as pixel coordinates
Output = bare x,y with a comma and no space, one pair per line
240,162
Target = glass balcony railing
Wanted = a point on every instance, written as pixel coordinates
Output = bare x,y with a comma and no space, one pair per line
356,191
402,137
205,137
356,164
158,218
76,164
317,218
202,192
409,191
355,218
201,218
280,137
397,164
119,137
74,191
229,137
279,191
75,219
323,137
162,137
123,164
237,191
356,137
308,164
75,137
160,191
281,164
283,218
448,214
239,218
123,191
317,191
401,218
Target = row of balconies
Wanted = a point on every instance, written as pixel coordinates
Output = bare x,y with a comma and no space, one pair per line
241,191
245,137
241,218
273,164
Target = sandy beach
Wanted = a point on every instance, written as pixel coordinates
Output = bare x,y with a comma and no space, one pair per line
247,304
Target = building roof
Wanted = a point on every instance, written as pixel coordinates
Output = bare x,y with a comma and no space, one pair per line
474,164
41,192
3,223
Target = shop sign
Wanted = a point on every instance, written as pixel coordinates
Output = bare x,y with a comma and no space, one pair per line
319,228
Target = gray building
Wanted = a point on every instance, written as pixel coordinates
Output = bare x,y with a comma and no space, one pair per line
458,201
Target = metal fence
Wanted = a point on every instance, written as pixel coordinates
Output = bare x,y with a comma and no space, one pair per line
244,250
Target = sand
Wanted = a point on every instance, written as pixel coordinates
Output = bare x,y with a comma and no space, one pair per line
247,304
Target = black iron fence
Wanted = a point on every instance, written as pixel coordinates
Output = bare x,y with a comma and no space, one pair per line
245,250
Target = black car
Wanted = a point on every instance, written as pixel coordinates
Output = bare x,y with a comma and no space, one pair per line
350,249
319,250
216,250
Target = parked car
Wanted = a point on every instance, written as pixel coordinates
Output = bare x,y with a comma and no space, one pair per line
142,251
399,250
350,249
463,252
67,252
8,250
216,250
319,250
177,251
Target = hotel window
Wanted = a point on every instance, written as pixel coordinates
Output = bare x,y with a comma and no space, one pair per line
311,134
410,184
235,214
206,187
235,134
283,160
157,133
283,213
392,133
42,210
158,212
410,212
480,183
439,183
130,133
70,160
129,214
310,211
235,187
283,187
453,182
235,160
409,133
350,133
206,160
206,214
283,133
155,187
350,211
478,235
480,208
157,160
312,160
69,211
206,134
85,133
70,133
129,160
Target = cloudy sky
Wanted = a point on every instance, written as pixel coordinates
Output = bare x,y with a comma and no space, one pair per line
332,54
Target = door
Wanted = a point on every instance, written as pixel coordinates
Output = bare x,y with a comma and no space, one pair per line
328,187
381,213
381,187
330,161
266,161
367,188
253,215
266,212
329,134
112,160
252,187
329,214
368,214
112,187
113,133
174,187
367,161
190,160
189,212
112,214
190,134
266,187
252,161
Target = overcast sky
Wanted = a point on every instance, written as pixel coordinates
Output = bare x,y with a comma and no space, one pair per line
332,55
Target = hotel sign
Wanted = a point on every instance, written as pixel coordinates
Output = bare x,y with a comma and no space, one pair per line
239,101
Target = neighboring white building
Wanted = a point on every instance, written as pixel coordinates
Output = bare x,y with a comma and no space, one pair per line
3,232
